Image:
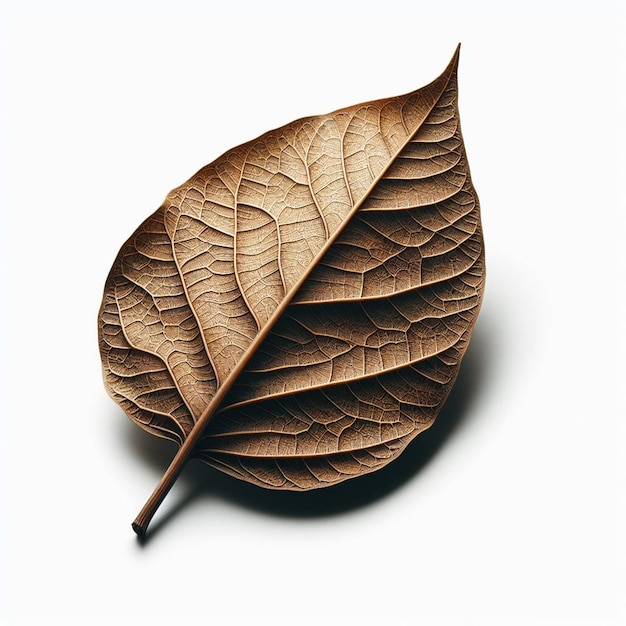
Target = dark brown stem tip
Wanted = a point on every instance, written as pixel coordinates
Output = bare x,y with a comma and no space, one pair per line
139,529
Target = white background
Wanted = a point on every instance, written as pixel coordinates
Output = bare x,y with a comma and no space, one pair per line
510,511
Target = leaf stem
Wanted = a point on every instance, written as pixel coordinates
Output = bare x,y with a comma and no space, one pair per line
140,525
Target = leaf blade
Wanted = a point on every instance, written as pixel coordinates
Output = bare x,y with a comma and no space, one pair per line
311,259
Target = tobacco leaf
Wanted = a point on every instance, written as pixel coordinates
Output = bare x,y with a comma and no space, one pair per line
297,311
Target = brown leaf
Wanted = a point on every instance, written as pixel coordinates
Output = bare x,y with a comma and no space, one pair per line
297,311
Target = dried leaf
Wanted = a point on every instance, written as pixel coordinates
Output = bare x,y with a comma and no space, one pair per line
297,311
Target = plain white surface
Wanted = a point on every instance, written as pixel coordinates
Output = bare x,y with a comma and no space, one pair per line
511,511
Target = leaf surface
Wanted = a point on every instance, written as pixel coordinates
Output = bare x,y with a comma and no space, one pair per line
297,311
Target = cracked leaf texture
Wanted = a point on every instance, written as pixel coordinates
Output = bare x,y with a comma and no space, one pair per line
350,243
